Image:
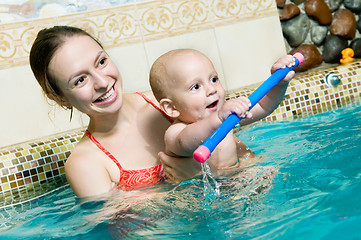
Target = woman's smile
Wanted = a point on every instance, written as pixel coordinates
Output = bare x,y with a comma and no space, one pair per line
108,97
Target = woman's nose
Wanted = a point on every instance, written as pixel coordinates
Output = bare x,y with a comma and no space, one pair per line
99,80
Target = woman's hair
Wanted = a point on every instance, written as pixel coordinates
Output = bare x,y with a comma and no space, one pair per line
47,42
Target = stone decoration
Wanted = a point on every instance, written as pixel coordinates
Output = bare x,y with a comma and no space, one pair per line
334,4
343,24
318,10
327,25
332,48
296,29
318,34
356,46
298,2
353,5
358,25
289,11
313,57
280,3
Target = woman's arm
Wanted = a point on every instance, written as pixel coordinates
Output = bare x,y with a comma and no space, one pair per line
87,177
179,169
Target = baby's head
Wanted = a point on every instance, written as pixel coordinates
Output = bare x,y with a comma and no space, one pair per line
186,85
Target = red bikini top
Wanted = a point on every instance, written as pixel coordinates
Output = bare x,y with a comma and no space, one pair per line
130,179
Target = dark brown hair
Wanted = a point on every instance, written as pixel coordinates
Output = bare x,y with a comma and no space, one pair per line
47,42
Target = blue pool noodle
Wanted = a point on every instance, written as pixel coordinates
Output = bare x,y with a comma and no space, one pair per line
202,153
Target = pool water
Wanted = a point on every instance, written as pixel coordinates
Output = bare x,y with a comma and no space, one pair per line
307,186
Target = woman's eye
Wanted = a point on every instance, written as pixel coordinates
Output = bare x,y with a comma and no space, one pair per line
195,87
79,81
102,61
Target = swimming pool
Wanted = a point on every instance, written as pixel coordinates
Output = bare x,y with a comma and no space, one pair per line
307,186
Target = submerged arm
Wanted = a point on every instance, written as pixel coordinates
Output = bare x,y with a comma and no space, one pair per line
86,177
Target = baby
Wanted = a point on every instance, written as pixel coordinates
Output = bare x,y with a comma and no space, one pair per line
188,89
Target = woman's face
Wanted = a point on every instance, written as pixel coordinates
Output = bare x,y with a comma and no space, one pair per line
87,77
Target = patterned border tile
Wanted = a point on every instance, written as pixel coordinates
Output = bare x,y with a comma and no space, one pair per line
133,23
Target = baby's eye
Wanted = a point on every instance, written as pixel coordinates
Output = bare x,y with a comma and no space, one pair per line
195,87
214,79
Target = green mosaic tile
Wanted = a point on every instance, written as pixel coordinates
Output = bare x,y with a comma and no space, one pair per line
30,169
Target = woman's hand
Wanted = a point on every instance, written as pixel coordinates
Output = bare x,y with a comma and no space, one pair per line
179,169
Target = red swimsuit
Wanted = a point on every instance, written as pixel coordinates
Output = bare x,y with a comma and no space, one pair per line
130,179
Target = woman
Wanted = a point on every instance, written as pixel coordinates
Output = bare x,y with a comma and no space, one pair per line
125,136
125,132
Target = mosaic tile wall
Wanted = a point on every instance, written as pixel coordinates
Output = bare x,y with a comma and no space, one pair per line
30,169
308,93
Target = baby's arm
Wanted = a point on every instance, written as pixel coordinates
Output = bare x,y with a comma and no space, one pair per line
274,97
182,139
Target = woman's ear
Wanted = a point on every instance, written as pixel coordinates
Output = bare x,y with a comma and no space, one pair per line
59,100
168,107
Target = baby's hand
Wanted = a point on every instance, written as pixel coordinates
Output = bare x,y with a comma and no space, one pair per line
287,60
239,106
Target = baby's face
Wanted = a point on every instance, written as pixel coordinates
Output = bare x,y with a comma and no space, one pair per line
196,89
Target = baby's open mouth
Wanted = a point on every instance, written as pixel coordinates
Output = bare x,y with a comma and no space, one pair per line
213,105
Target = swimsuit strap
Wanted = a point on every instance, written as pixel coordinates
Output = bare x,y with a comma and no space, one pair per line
155,106
103,149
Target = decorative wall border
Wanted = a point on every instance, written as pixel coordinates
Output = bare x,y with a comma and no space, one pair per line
134,23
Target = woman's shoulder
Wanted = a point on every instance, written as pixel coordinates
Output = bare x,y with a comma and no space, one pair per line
83,154
141,96
86,171
141,99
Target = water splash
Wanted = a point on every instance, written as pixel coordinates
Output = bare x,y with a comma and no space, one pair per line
211,186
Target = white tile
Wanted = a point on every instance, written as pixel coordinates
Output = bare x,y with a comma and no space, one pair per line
203,41
133,66
26,112
248,49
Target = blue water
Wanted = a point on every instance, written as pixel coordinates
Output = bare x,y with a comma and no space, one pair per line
306,186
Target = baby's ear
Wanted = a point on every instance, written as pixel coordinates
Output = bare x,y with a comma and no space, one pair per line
168,107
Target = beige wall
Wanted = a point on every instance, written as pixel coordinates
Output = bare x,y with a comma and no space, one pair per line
243,38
